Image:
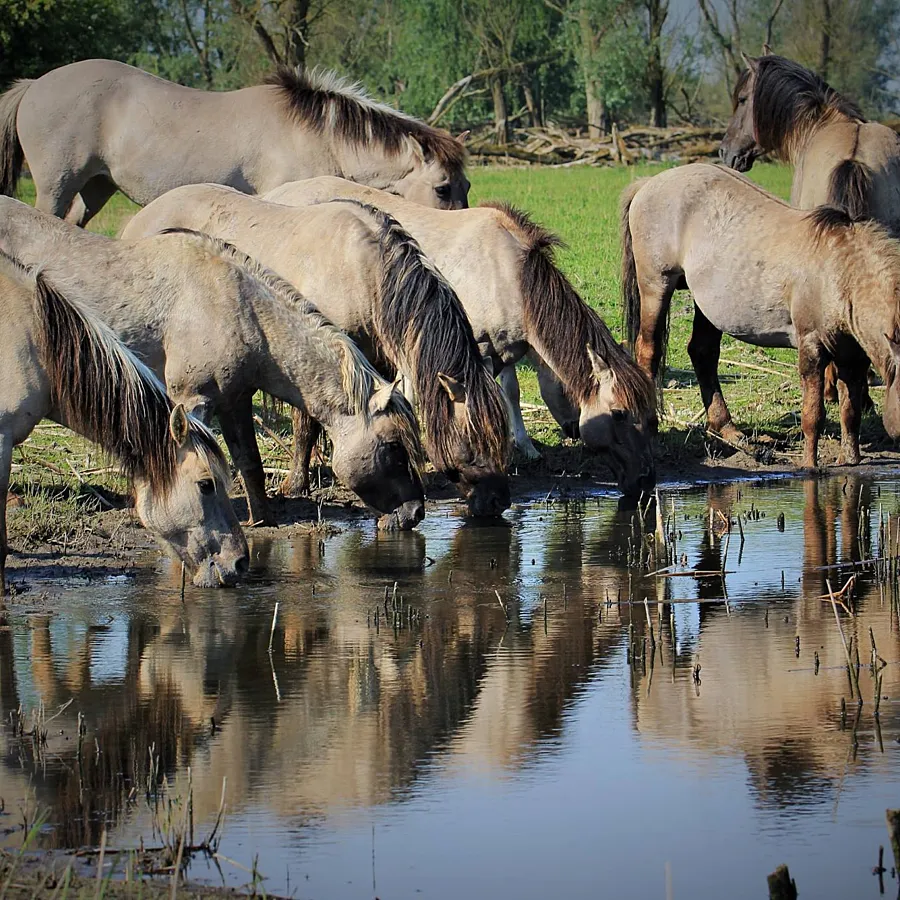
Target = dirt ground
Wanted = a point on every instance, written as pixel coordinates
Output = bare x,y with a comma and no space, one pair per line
112,543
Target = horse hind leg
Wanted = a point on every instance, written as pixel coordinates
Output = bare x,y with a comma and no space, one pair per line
703,349
306,433
852,392
92,197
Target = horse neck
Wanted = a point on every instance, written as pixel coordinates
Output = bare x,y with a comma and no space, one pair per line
798,144
869,327
299,353
372,165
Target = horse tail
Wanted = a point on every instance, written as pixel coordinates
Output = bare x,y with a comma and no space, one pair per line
11,155
850,189
631,295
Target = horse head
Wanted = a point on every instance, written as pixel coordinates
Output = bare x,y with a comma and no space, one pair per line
619,423
474,466
739,147
436,177
891,415
377,454
192,513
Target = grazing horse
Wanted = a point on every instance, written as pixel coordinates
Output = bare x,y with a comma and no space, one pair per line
839,158
767,274
59,362
218,327
97,126
518,301
370,278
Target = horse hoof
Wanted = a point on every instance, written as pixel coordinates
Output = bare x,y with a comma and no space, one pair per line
528,452
294,489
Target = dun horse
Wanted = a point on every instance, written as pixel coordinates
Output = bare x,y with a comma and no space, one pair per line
218,327
518,301
767,274
370,278
839,158
93,127
60,363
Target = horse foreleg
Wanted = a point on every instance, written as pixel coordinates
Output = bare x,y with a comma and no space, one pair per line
812,364
851,391
6,448
509,382
703,349
656,295
306,433
240,437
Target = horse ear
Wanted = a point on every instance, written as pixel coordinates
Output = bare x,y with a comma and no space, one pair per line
456,391
381,397
179,427
463,136
767,50
416,149
751,63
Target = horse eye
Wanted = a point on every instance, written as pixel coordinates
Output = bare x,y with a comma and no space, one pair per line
742,101
207,486
619,415
443,191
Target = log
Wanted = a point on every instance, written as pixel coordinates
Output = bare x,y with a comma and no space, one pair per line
781,885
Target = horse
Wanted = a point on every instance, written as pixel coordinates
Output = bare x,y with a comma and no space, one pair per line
770,275
217,326
60,362
97,126
839,158
519,303
369,277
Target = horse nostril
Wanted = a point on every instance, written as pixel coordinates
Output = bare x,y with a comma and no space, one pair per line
242,564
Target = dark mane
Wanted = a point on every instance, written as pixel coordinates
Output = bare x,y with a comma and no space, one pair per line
565,325
324,101
828,219
420,319
787,100
104,393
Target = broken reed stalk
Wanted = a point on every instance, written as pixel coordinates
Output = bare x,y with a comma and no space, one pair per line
272,632
502,606
854,675
649,622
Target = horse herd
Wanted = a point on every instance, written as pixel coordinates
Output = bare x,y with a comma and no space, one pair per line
300,239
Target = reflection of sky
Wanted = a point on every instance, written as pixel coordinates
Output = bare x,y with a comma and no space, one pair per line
558,769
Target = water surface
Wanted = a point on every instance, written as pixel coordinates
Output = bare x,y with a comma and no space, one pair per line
533,745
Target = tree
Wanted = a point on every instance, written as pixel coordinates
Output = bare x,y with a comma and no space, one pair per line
39,35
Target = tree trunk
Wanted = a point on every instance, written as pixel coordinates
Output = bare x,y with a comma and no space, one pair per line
657,12
596,108
501,116
295,33
825,46
534,112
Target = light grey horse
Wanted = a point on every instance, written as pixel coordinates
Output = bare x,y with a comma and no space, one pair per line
519,302
371,278
59,362
92,127
218,327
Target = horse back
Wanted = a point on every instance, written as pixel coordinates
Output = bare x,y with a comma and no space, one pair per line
148,135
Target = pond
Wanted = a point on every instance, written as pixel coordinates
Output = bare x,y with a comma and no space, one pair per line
528,708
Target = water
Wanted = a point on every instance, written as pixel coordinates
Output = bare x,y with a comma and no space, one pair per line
464,754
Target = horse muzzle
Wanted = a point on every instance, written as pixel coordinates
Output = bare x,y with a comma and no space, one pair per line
404,518
489,496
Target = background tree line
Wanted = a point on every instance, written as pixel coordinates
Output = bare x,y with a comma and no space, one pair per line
585,63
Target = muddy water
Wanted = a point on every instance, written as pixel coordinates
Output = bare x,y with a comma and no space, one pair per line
463,746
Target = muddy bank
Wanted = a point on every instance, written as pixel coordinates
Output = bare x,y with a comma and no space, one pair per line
112,544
